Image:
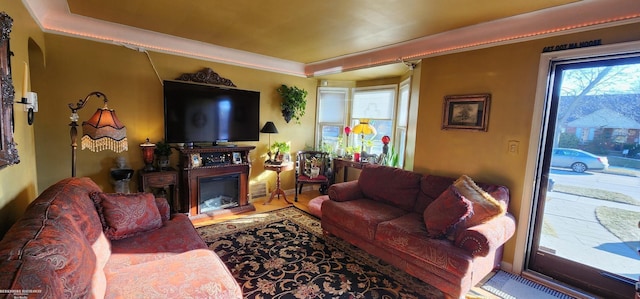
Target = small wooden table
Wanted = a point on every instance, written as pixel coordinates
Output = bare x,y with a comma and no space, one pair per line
278,168
162,180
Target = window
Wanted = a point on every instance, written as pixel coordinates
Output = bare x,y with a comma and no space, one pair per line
386,108
332,103
375,104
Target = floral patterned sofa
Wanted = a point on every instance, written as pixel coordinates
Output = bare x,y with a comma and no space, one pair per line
446,232
75,242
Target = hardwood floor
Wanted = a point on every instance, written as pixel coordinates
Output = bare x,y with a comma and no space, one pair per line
258,203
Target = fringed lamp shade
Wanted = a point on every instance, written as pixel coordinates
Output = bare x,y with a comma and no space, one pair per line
103,131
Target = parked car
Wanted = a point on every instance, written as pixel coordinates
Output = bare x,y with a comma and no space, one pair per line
577,160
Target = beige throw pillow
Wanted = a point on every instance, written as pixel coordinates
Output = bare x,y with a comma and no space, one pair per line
485,207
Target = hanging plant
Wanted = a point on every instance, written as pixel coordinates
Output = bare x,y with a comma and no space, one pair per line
294,102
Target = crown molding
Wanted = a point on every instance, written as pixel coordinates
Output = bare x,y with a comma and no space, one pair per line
54,16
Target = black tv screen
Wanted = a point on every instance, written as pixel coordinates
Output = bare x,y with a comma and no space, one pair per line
202,113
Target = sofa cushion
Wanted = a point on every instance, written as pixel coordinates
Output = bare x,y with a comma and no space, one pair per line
407,236
155,244
391,185
485,207
431,186
102,249
193,274
445,212
360,216
126,215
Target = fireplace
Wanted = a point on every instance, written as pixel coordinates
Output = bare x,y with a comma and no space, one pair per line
218,192
213,184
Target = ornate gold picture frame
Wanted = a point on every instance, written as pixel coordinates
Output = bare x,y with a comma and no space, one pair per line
469,112
8,150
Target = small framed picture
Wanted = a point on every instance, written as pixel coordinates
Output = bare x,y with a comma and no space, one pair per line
469,112
196,161
237,158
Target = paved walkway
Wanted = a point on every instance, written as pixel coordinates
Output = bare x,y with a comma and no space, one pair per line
580,237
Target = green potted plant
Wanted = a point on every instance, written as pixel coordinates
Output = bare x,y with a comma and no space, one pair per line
294,102
280,149
162,152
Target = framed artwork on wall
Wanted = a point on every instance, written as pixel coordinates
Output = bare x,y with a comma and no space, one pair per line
470,112
8,149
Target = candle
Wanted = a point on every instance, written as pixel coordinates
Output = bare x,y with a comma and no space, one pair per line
25,82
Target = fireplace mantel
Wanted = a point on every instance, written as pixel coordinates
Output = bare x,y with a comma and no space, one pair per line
200,163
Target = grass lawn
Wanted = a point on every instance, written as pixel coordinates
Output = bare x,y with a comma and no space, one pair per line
596,193
622,223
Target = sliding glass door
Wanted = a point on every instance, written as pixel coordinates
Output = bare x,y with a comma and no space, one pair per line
587,200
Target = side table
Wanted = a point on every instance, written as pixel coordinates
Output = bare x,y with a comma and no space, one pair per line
278,168
162,180
344,164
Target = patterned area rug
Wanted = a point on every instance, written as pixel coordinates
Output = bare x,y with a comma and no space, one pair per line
283,254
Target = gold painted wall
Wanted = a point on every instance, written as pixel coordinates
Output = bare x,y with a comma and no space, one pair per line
509,73
18,185
77,67
71,68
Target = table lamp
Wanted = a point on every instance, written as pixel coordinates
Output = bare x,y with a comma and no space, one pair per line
269,128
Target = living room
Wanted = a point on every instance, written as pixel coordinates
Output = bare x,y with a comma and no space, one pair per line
64,69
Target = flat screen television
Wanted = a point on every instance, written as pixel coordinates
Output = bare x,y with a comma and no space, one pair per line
202,113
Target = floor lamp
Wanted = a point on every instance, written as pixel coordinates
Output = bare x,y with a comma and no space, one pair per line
269,128
101,132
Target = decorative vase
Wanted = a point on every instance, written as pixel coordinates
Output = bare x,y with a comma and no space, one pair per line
163,162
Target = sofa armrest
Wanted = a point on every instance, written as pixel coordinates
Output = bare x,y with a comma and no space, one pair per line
483,238
345,191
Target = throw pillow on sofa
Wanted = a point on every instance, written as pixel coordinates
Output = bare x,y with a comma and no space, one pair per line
126,215
449,209
485,207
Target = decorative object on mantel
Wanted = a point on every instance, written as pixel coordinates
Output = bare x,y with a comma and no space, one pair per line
294,102
470,112
8,150
207,76
101,132
269,128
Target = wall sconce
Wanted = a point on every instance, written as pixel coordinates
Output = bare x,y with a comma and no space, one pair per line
29,99
101,132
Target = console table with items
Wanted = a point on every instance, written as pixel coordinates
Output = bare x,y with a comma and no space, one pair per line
344,164
202,164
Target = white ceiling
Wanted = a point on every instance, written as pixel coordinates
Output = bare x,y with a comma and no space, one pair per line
323,38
